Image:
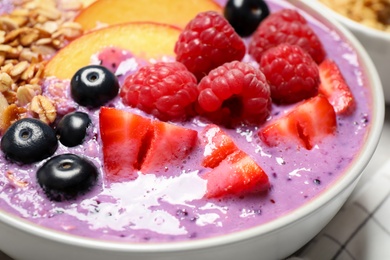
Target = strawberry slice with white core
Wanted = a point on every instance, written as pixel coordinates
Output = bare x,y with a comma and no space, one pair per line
122,134
217,145
334,87
233,171
237,174
305,125
169,144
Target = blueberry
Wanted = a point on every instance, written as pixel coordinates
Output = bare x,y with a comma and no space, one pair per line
72,128
93,86
245,15
65,176
29,140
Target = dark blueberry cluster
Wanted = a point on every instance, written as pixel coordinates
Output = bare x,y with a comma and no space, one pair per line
29,140
62,177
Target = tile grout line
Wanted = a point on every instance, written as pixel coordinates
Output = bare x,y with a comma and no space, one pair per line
369,216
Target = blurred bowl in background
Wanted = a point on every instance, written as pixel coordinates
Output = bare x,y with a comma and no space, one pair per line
376,43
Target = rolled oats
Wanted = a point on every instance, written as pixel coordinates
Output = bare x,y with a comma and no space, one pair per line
6,48
2,36
372,13
2,58
3,103
49,12
5,81
29,35
20,20
49,26
28,55
18,69
28,73
7,67
71,5
10,96
8,24
11,114
44,108
25,94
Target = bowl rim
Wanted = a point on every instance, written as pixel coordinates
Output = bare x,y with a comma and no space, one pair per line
354,25
354,172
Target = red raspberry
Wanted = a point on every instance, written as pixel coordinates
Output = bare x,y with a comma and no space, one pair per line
291,73
165,90
286,26
207,42
234,93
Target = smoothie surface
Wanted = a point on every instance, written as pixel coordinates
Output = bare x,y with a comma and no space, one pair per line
170,205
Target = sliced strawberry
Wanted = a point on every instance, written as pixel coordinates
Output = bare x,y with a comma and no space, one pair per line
233,171
131,143
217,144
237,174
334,87
122,135
306,124
169,144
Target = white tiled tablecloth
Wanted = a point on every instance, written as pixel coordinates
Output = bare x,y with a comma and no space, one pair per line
361,230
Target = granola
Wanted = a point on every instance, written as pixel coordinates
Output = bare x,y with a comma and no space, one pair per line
372,13
30,34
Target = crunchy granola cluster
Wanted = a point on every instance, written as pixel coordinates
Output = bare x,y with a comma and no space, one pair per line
29,35
372,13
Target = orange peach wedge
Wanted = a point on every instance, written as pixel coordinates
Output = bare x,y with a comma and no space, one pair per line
175,12
142,39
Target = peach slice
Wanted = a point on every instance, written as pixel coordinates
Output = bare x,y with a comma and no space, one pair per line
144,40
175,12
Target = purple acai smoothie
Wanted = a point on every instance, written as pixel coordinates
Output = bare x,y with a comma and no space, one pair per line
172,207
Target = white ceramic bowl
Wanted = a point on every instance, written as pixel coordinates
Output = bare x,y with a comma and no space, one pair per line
376,43
274,240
